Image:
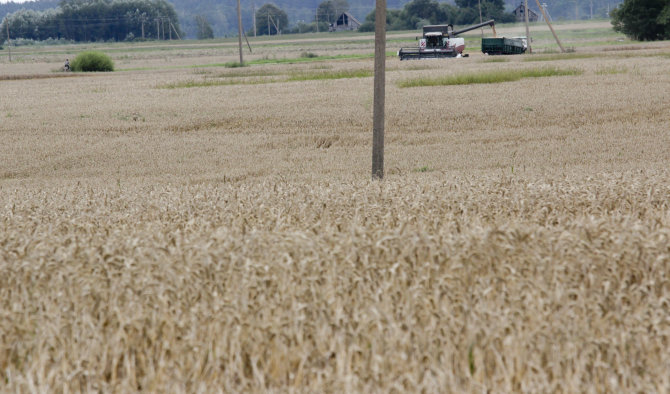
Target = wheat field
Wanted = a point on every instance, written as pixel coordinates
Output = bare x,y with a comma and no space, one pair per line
186,227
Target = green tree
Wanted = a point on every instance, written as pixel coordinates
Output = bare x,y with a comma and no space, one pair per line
415,15
341,5
270,19
664,17
394,21
325,12
491,9
643,20
418,11
329,10
109,20
204,28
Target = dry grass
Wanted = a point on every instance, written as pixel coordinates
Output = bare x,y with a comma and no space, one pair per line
553,285
18,77
228,238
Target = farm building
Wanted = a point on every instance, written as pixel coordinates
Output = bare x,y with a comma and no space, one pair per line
345,21
520,17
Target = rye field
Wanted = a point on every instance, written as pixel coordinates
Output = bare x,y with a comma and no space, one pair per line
181,225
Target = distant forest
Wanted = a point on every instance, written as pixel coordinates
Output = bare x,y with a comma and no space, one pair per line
221,14
84,21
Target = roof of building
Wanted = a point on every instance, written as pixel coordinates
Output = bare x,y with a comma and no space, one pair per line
351,17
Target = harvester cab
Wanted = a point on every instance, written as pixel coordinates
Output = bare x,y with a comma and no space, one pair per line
435,36
432,41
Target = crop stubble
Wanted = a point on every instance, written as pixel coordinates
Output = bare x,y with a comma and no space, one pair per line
225,237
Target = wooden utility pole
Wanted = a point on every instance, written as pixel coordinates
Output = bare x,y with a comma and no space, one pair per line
239,29
379,91
175,31
480,15
277,32
9,41
247,40
525,11
317,19
544,15
253,10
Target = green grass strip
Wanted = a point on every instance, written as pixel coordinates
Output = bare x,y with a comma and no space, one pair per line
488,77
305,59
495,60
252,62
209,83
559,56
307,76
611,70
342,74
264,61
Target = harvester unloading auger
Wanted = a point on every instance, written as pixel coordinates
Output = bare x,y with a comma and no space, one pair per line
441,41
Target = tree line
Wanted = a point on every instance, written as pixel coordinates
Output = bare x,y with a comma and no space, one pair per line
116,20
302,15
99,20
197,17
419,13
413,15
638,19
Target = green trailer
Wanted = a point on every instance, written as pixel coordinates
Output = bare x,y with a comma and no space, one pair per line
503,46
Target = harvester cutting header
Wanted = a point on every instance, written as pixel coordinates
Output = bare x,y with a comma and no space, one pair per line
441,41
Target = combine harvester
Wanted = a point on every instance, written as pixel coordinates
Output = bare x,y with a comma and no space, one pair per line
440,41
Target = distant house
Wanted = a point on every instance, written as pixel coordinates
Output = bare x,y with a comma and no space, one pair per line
519,12
345,21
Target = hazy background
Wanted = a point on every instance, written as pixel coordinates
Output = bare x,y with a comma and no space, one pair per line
221,14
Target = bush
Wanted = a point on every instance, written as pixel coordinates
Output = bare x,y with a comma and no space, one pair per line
235,65
367,26
22,42
92,61
421,23
57,41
